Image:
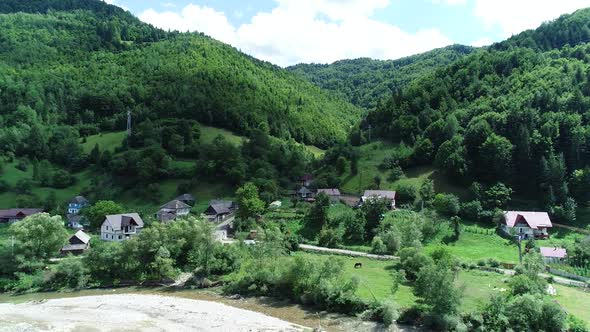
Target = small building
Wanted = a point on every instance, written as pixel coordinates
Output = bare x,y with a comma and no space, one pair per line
16,214
305,194
220,210
120,227
386,195
333,193
187,199
172,210
77,244
526,224
553,255
76,221
76,204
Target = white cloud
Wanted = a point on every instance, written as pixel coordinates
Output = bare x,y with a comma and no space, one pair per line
193,18
169,5
116,3
296,31
481,42
514,16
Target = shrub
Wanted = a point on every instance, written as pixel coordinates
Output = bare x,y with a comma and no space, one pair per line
395,174
481,262
406,193
492,262
377,246
68,273
330,237
446,204
575,324
471,210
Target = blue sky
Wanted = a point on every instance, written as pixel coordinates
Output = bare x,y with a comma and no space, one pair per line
286,32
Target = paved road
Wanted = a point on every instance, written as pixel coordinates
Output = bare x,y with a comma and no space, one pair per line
556,279
307,247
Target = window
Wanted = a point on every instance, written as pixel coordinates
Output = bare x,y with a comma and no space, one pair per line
120,237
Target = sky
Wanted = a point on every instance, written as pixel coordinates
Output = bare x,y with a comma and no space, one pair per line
287,32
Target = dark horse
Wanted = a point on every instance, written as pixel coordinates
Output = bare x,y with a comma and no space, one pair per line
358,265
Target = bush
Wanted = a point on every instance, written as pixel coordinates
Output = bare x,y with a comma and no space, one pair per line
492,262
575,324
330,237
446,204
481,262
471,210
386,311
412,260
395,174
68,273
377,246
62,179
406,193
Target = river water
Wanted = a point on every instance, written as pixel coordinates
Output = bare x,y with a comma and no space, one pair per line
283,310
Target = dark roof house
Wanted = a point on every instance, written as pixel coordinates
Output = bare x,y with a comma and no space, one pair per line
79,200
77,244
120,221
219,209
186,199
175,205
11,215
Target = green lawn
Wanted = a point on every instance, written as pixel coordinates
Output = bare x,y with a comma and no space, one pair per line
106,141
473,247
376,280
574,301
208,134
12,175
373,154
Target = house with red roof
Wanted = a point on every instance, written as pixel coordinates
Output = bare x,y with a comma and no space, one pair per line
552,255
527,224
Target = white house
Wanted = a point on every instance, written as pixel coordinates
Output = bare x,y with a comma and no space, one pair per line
527,224
380,194
120,227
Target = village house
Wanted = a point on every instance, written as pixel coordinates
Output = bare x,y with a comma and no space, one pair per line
76,221
333,193
76,204
172,210
77,244
120,227
220,210
16,214
187,199
305,194
553,255
386,195
526,224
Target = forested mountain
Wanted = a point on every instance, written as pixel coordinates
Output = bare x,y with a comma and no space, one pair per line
570,30
365,81
85,63
506,114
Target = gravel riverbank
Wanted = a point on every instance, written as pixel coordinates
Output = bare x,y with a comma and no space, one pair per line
133,312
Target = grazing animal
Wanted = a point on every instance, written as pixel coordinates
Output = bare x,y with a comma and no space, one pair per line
358,265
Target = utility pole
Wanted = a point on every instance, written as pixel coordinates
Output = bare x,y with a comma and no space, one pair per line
128,123
518,241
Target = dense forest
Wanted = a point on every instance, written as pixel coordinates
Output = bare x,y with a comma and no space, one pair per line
85,64
365,81
507,114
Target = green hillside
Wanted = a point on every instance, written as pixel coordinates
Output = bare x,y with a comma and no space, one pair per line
516,116
113,64
365,81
